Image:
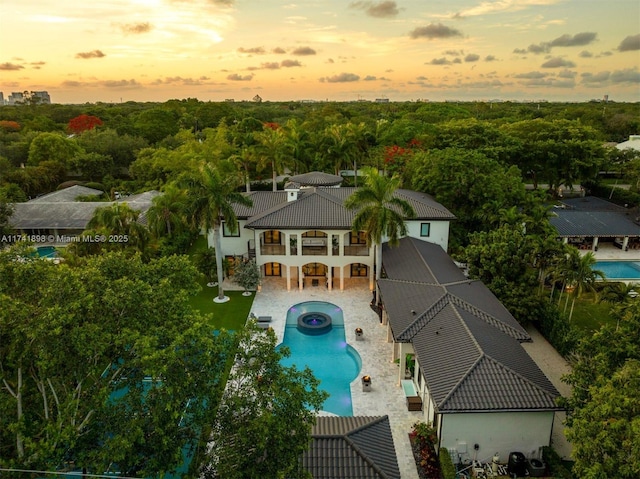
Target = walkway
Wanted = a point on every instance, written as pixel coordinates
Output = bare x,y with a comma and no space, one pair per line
386,396
554,366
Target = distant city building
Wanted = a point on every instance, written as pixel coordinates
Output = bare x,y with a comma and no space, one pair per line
41,97
382,100
26,98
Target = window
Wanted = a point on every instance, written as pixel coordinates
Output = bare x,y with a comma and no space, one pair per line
272,269
359,269
227,232
272,237
314,234
425,229
359,237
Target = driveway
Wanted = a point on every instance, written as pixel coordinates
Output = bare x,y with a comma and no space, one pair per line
554,367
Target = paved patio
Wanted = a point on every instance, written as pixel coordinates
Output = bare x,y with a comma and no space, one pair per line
386,396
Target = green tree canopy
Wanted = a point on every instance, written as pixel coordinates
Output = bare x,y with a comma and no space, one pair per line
210,196
104,366
266,413
52,147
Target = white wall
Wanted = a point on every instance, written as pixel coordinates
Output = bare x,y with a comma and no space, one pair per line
438,234
233,245
501,432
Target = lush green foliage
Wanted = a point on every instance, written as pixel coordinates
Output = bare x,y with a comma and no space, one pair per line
102,364
247,274
446,465
264,420
604,407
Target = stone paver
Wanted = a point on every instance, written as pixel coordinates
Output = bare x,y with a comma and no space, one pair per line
386,396
554,366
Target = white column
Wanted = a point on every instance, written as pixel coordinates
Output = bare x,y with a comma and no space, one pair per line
595,243
625,243
403,363
288,277
300,278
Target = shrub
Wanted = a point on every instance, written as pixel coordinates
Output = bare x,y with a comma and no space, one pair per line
557,467
446,465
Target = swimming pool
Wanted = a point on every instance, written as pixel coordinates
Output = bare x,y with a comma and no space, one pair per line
334,362
619,269
48,252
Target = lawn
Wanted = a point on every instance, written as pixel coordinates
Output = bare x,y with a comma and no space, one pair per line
230,315
589,315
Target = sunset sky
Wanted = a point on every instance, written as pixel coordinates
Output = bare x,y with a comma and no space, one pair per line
156,50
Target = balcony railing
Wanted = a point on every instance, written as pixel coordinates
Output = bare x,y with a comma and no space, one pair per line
356,250
314,251
272,249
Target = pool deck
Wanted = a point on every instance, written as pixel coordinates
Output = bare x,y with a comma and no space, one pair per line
386,396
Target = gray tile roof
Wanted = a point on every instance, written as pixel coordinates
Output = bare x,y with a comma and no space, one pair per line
316,178
591,216
67,194
466,341
322,208
69,215
352,448
314,209
594,223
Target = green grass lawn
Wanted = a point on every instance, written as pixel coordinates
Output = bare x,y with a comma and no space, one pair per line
589,315
230,315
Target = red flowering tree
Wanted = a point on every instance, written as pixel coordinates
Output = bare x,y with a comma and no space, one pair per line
83,123
8,125
395,158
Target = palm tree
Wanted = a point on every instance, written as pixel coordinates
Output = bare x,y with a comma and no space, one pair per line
380,213
120,220
583,277
274,151
166,214
210,198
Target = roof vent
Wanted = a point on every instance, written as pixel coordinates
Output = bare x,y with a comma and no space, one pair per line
292,195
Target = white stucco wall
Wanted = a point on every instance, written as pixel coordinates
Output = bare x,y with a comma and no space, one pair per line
234,245
438,234
501,432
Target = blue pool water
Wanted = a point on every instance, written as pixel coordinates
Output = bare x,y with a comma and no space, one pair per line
334,362
619,269
47,252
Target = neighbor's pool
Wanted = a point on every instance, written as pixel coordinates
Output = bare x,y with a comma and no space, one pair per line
619,269
47,252
334,362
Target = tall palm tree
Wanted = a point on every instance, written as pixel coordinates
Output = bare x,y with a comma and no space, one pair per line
210,198
583,277
166,214
274,151
380,213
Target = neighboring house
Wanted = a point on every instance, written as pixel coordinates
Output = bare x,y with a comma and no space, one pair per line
61,215
303,234
351,448
459,350
632,143
589,221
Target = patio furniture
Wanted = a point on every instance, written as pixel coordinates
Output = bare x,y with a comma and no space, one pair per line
264,319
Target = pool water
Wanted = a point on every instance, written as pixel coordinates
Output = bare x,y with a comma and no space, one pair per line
334,362
47,252
619,269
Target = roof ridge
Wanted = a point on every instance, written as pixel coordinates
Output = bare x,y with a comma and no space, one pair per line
485,357
464,376
424,318
324,194
365,457
516,373
488,318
